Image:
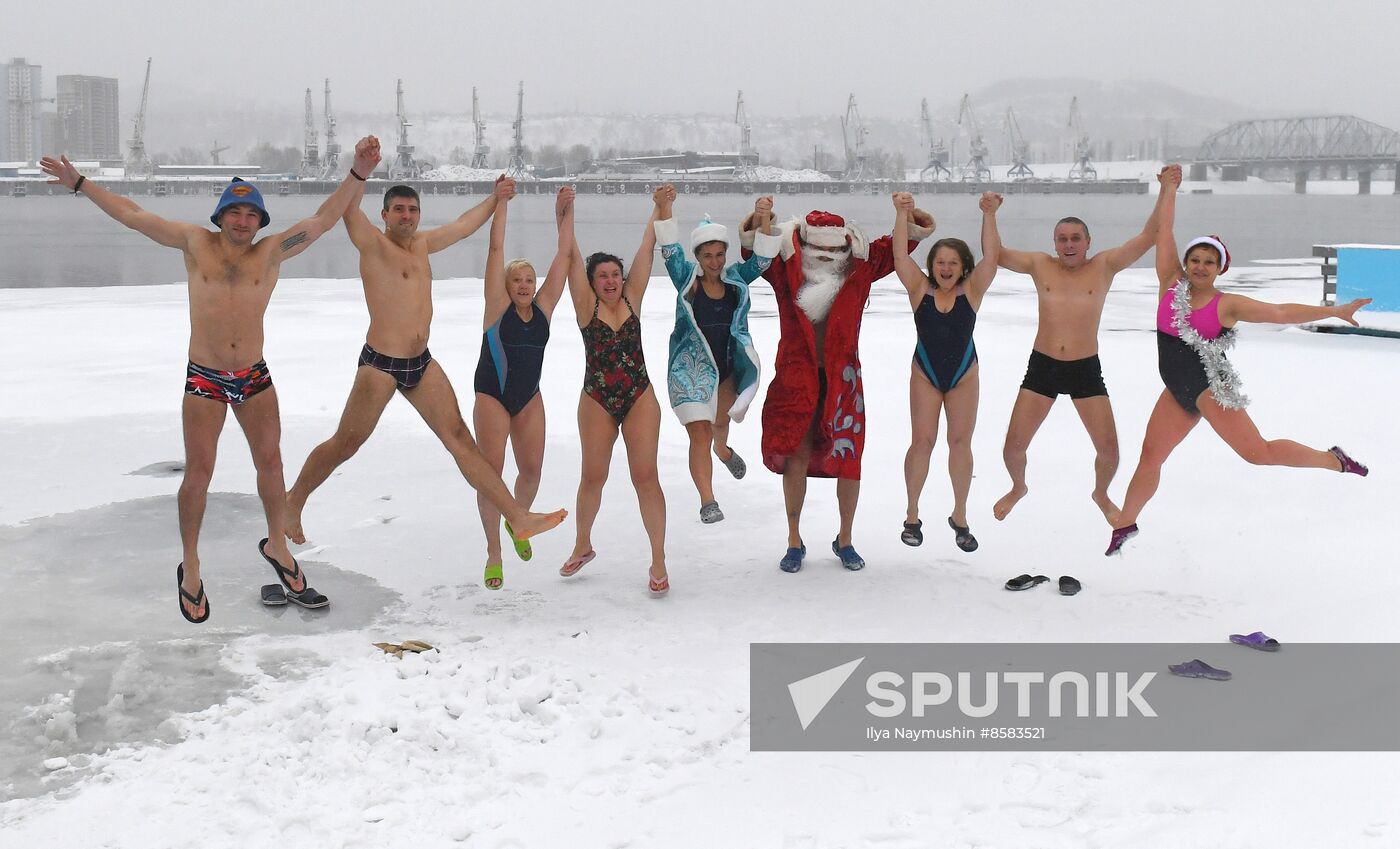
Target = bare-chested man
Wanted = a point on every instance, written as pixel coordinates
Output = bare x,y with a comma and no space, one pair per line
231,280
398,285
1071,288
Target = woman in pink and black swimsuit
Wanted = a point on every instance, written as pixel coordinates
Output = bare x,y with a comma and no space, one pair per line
1195,326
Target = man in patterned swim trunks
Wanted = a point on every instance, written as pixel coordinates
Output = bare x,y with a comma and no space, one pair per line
232,275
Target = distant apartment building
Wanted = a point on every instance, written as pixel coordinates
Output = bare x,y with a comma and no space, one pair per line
87,114
21,136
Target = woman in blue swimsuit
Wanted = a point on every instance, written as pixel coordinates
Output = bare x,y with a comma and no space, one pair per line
944,373
509,406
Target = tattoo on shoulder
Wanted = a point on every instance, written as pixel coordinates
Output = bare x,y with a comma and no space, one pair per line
293,240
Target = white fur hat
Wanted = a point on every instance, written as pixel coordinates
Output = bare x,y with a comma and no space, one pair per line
708,231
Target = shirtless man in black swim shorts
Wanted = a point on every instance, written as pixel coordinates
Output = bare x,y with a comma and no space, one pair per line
231,281
398,284
1070,288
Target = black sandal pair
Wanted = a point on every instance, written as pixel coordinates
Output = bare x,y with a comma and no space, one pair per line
1068,585
913,534
272,595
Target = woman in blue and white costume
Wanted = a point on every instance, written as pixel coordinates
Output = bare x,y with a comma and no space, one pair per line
712,375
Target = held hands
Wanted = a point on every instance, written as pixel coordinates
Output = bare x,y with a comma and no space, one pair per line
1170,177
763,211
366,156
563,202
61,170
903,202
990,203
664,197
505,188
1347,312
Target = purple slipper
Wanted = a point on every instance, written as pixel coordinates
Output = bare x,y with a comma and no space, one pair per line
1258,640
1198,669
1348,464
1120,536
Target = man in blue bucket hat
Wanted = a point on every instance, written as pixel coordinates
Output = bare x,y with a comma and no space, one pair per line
231,280
243,193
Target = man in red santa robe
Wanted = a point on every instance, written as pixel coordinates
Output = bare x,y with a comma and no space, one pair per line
814,413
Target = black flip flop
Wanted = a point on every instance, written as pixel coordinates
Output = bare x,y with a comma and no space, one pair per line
273,595
913,533
1025,582
965,540
1069,586
285,575
308,598
195,600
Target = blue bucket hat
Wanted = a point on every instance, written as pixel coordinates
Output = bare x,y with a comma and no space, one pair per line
240,191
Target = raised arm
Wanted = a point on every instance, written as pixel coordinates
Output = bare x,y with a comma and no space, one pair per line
497,298
466,224
765,241
1132,250
640,274
1237,308
580,288
1169,268
172,234
299,236
980,280
914,280
679,266
553,288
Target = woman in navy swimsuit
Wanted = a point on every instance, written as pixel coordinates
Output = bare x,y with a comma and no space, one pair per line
944,373
508,402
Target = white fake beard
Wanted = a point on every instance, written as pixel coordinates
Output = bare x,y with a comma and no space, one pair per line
822,282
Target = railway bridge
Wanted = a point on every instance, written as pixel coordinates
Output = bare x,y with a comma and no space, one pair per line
1320,145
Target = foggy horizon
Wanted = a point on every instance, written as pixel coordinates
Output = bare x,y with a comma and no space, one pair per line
625,56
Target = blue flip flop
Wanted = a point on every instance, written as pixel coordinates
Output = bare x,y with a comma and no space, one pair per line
1199,669
1258,640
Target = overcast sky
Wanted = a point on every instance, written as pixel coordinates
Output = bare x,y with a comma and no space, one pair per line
1281,57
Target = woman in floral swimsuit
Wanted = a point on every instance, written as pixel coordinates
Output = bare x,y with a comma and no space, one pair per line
617,396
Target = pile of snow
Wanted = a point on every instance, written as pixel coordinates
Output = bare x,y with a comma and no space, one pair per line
771,173
462,172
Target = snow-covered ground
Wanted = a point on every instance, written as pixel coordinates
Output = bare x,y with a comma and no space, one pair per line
581,711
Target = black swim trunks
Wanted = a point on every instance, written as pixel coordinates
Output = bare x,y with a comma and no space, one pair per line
1076,378
406,371
230,387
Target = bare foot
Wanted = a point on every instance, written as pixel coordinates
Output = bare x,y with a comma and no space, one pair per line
538,523
1003,507
1110,510
294,531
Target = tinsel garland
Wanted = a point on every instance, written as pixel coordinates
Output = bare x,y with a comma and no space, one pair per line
1224,380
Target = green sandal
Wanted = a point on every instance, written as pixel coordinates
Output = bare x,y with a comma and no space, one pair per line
522,546
495,572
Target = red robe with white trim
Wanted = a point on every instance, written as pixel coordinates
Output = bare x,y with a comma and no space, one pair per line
839,437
